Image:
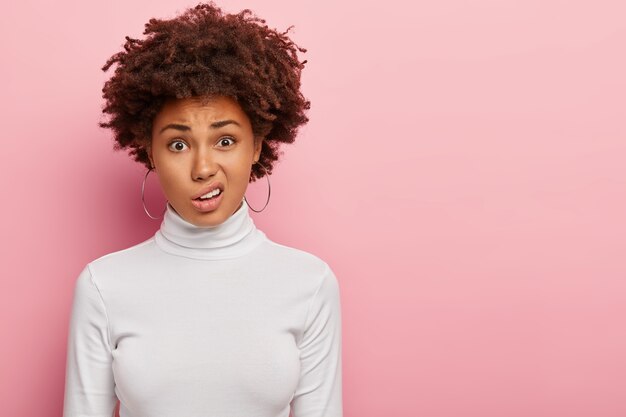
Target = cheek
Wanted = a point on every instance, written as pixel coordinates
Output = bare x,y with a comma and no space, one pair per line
243,173
238,164
171,177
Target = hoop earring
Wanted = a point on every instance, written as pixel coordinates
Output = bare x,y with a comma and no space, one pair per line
269,191
143,201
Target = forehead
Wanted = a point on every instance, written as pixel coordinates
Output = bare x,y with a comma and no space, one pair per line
201,110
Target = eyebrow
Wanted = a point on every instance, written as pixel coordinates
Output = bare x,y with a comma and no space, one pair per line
214,125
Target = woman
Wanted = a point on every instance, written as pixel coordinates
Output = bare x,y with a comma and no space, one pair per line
208,317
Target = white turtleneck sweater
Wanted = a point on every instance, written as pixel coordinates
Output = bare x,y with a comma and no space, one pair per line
205,322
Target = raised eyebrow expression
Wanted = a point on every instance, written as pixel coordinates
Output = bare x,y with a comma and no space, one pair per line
185,128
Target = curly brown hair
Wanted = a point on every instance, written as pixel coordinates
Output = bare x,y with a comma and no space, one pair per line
205,52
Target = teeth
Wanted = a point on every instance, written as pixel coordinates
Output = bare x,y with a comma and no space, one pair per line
210,194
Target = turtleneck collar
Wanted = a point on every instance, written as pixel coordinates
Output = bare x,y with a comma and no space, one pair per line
236,236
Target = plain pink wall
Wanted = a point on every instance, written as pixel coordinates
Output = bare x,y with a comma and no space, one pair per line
463,173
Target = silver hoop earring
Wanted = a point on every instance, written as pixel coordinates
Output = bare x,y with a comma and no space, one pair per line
269,191
143,201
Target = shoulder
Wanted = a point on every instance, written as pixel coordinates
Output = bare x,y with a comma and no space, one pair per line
128,259
311,277
295,258
307,269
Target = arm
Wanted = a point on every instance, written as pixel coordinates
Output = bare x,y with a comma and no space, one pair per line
319,391
89,384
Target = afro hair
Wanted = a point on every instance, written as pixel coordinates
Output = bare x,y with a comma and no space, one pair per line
205,52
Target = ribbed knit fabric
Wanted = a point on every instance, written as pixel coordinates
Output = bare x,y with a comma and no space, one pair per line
205,322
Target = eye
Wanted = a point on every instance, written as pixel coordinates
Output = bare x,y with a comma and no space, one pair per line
224,141
177,145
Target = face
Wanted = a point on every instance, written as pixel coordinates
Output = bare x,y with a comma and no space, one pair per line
198,146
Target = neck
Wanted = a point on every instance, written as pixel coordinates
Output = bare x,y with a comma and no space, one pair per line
234,237
172,207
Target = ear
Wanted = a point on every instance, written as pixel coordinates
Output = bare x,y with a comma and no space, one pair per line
149,152
258,145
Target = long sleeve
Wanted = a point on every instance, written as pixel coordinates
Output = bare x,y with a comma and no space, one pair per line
89,383
319,390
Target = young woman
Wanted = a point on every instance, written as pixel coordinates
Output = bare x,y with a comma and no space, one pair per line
208,317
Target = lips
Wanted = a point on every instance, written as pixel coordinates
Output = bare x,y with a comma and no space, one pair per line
208,189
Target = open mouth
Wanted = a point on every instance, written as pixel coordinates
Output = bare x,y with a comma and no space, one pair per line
210,195
209,201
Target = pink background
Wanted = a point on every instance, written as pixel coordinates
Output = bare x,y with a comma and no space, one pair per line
463,173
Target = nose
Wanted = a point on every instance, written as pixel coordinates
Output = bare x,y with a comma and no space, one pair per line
204,165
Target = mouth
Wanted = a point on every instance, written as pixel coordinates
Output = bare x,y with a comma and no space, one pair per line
209,198
211,191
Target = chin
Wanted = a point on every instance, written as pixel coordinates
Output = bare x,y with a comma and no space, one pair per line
209,219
